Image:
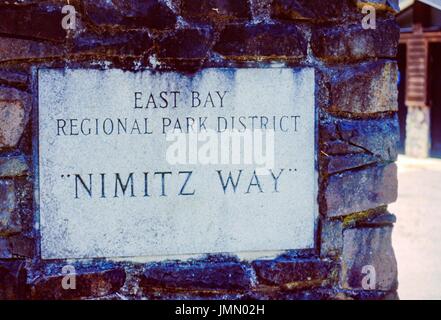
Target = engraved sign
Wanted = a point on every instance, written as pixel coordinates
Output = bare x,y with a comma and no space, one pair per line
165,163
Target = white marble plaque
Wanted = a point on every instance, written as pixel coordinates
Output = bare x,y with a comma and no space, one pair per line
165,163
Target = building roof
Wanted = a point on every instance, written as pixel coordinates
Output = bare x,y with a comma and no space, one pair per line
404,4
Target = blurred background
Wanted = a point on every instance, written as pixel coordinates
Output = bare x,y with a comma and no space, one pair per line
417,235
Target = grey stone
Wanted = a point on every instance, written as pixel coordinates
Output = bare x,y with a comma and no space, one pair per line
153,14
215,10
196,275
113,44
22,246
13,166
88,284
5,250
189,43
352,42
9,219
356,191
270,41
13,118
294,273
19,49
13,77
334,10
349,144
364,89
13,276
331,238
368,247
37,21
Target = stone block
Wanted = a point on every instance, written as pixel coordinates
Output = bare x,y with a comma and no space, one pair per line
352,42
196,276
251,41
363,89
153,14
356,191
38,21
13,166
17,78
314,10
367,252
14,105
294,273
10,222
349,144
186,44
113,43
22,246
331,238
21,49
5,250
13,276
91,284
215,10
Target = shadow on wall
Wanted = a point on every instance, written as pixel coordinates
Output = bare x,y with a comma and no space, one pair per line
435,97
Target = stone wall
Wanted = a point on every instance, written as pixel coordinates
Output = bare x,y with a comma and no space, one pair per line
356,98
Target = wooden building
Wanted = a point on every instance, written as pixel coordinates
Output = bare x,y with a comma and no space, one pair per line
420,77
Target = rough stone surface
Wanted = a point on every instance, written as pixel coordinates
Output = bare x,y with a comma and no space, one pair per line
13,166
349,42
361,190
113,43
22,246
350,144
186,44
331,238
12,122
246,42
313,9
5,250
20,49
96,284
14,105
134,13
215,10
13,280
365,89
9,220
294,274
13,77
368,247
197,275
39,21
